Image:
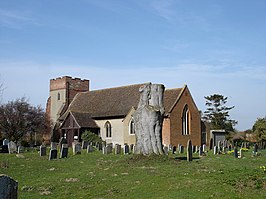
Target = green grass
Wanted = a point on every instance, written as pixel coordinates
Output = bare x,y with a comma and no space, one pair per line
126,176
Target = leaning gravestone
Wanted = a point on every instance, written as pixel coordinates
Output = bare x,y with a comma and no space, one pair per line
8,187
64,151
42,150
148,120
12,147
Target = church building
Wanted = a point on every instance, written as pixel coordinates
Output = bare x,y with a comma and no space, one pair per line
73,108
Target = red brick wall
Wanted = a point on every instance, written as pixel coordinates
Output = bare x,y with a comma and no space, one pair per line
176,136
166,131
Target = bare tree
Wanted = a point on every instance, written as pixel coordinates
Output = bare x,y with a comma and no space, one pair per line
17,118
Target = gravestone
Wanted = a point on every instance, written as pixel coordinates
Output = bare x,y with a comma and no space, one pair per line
104,149
230,147
181,150
211,143
85,144
53,146
42,150
174,149
235,152
99,146
224,149
20,149
170,147
219,146
90,149
109,148
64,151
5,142
62,141
8,187
204,148
189,151
215,150
194,149
117,149
131,148
126,149
12,147
165,149
240,153
76,146
148,119
255,148
200,151
53,154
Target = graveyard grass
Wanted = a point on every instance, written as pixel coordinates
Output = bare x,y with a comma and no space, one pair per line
95,175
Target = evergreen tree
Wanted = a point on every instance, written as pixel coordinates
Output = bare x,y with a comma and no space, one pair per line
259,129
217,113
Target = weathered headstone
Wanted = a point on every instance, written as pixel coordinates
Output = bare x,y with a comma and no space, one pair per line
42,150
64,151
255,148
148,119
5,142
219,146
204,148
194,149
200,151
90,149
181,149
104,149
126,149
235,152
240,153
211,143
76,148
174,149
62,141
109,148
165,149
170,147
53,154
189,151
12,147
20,149
8,187
215,150
85,144
53,146
117,149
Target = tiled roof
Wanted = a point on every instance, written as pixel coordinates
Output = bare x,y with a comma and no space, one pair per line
84,120
114,102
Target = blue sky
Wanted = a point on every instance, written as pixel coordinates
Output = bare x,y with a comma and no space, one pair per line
213,46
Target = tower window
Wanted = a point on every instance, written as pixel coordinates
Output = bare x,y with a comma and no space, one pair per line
131,127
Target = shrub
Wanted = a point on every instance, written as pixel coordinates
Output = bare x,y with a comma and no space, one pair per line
90,137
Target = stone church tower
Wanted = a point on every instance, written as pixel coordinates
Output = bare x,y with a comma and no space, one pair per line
62,92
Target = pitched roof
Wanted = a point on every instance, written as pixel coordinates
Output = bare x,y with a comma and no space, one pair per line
84,120
115,101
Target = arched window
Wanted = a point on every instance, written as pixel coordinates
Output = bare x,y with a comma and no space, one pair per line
58,96
186,121
131,127
108,129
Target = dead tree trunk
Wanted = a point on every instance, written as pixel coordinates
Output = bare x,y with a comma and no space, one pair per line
148,120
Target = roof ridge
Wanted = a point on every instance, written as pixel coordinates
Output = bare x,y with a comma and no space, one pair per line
130,85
